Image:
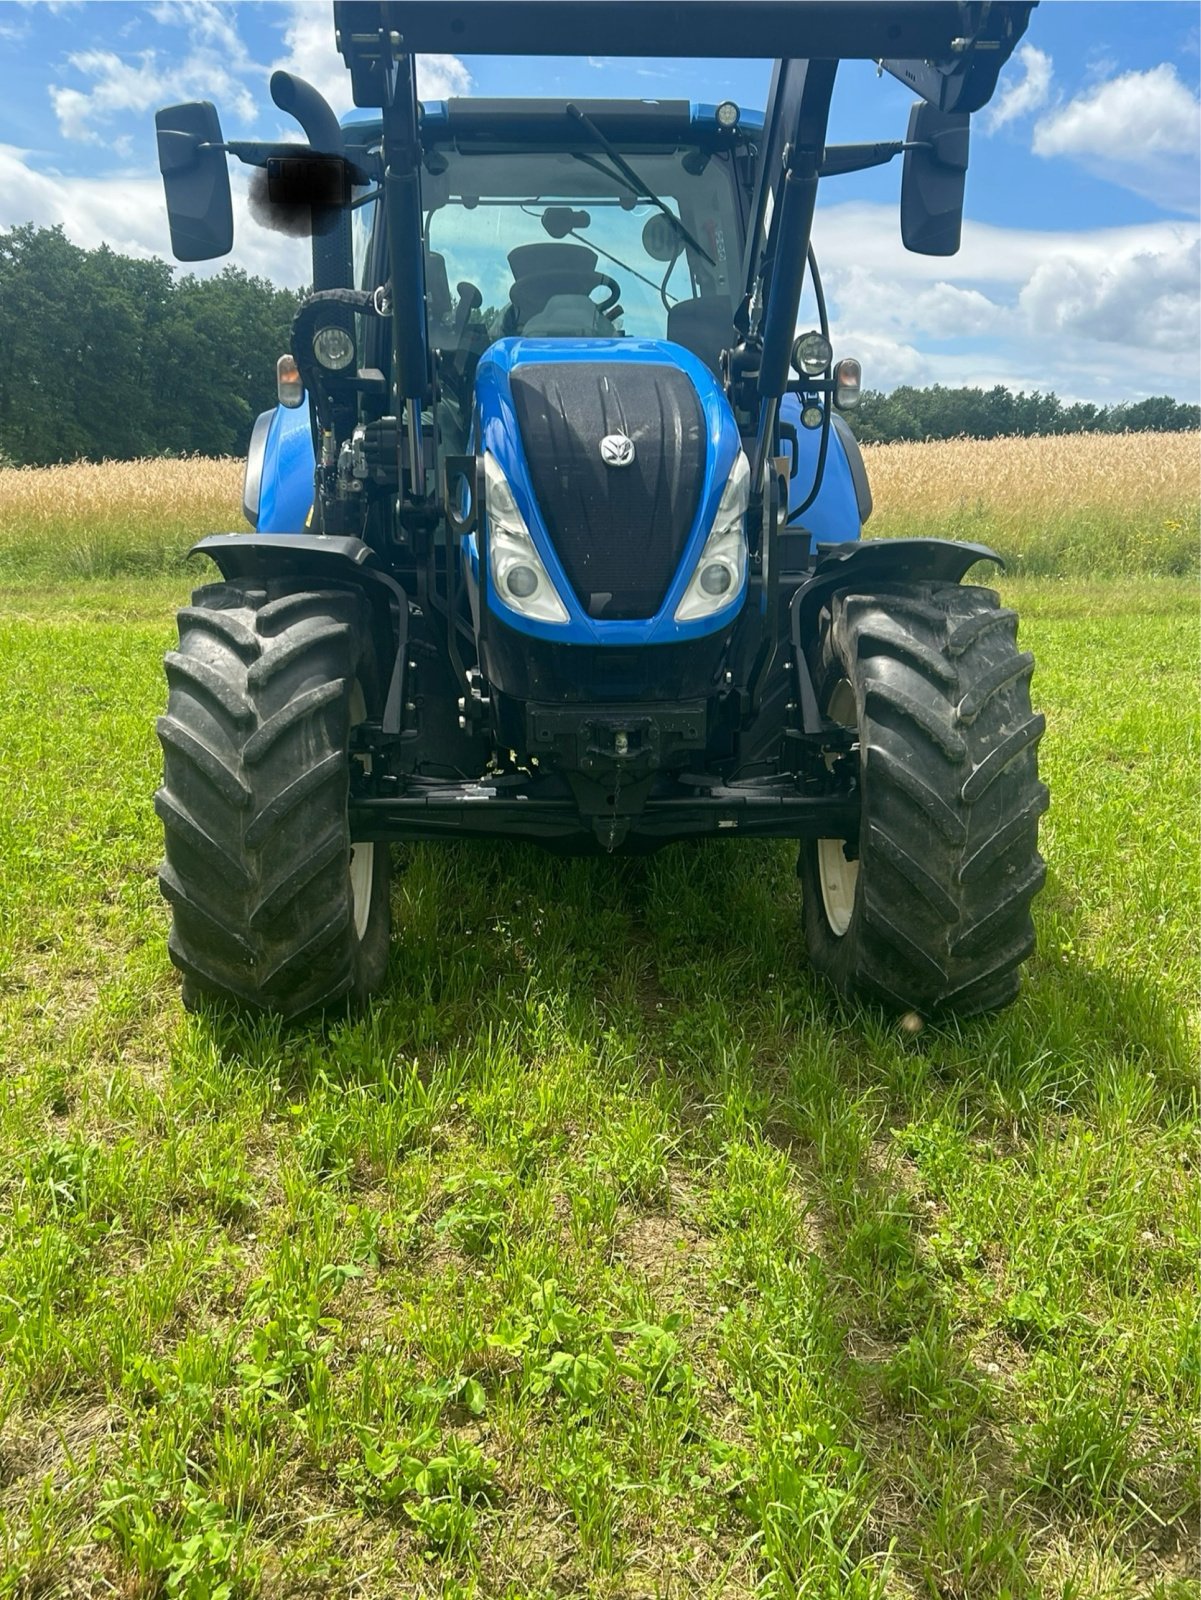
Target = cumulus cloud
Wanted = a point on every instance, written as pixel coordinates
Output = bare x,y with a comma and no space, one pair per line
1086,313
126,211
1019,97
208,23
941,311
1148,299
141,83
309,52
1141,130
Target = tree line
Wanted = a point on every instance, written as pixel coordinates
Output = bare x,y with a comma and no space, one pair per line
106,357
941,413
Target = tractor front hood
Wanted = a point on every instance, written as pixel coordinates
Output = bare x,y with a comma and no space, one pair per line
617,452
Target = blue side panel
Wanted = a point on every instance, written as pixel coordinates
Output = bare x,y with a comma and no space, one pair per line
497,431
286,492
833,518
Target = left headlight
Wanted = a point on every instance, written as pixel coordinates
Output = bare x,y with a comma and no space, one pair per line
518,574
721,570
333,348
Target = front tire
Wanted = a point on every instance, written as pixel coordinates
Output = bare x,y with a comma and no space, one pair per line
273,907
933,913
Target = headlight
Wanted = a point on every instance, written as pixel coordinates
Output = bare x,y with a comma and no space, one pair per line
720,572
518,575
334,348
811,354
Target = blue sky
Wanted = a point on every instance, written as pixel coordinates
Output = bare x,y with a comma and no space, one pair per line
1081,261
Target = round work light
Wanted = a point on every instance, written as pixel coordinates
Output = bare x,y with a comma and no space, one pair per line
334,348
811,354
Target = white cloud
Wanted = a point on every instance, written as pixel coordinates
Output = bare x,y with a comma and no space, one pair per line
869,235
1020,96
941,311
206,22
1101,314
309,52
127,212
442,77
1141,130
886,361
1146,299
139,84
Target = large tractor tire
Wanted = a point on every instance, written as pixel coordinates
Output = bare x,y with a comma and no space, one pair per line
933,914
274,909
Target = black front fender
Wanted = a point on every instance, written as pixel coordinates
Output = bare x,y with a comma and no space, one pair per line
857,567
288,555
326,558
868,561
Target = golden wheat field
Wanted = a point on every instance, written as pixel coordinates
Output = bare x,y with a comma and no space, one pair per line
1055,475
1082,505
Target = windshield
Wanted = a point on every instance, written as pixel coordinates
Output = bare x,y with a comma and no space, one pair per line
557,243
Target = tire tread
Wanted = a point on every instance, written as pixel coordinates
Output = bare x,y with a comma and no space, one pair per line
253,802
949,863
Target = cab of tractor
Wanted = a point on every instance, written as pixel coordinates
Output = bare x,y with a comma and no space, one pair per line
557,525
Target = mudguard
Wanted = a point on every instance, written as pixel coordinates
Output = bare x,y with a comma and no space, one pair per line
859,567
329,559
285,555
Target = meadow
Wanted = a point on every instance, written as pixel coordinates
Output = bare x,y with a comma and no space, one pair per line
608,1253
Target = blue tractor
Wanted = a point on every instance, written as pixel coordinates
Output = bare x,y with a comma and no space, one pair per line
557,526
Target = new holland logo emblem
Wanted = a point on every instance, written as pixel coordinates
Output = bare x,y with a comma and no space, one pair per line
616,450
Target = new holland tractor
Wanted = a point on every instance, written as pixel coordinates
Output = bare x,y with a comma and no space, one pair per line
557,524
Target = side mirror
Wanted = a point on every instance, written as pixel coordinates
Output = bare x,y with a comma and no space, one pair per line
933,180
191,158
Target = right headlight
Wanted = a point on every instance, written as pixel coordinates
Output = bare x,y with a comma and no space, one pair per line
721,570
518,575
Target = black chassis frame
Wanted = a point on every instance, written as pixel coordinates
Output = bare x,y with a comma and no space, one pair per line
950,52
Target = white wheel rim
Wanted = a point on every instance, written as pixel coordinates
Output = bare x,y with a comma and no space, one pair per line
362,856
362,880
838,876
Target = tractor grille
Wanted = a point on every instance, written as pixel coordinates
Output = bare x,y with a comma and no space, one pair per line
619,530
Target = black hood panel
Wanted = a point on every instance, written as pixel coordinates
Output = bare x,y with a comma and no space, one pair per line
619,530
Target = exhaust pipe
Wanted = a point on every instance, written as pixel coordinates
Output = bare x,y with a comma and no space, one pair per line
332,260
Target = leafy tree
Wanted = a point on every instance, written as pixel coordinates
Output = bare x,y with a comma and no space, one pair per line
104,356
941,413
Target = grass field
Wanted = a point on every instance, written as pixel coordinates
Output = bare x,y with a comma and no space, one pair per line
608,1254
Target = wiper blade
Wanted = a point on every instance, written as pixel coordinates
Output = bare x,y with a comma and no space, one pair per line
640,188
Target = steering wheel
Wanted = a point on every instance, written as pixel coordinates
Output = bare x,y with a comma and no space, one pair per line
529,295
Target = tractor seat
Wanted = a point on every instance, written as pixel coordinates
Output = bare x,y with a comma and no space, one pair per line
543,272
706,327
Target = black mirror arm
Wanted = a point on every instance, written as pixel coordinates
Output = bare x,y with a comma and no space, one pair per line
840,158
258,152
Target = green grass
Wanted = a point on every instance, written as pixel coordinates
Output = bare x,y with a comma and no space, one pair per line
608,1254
